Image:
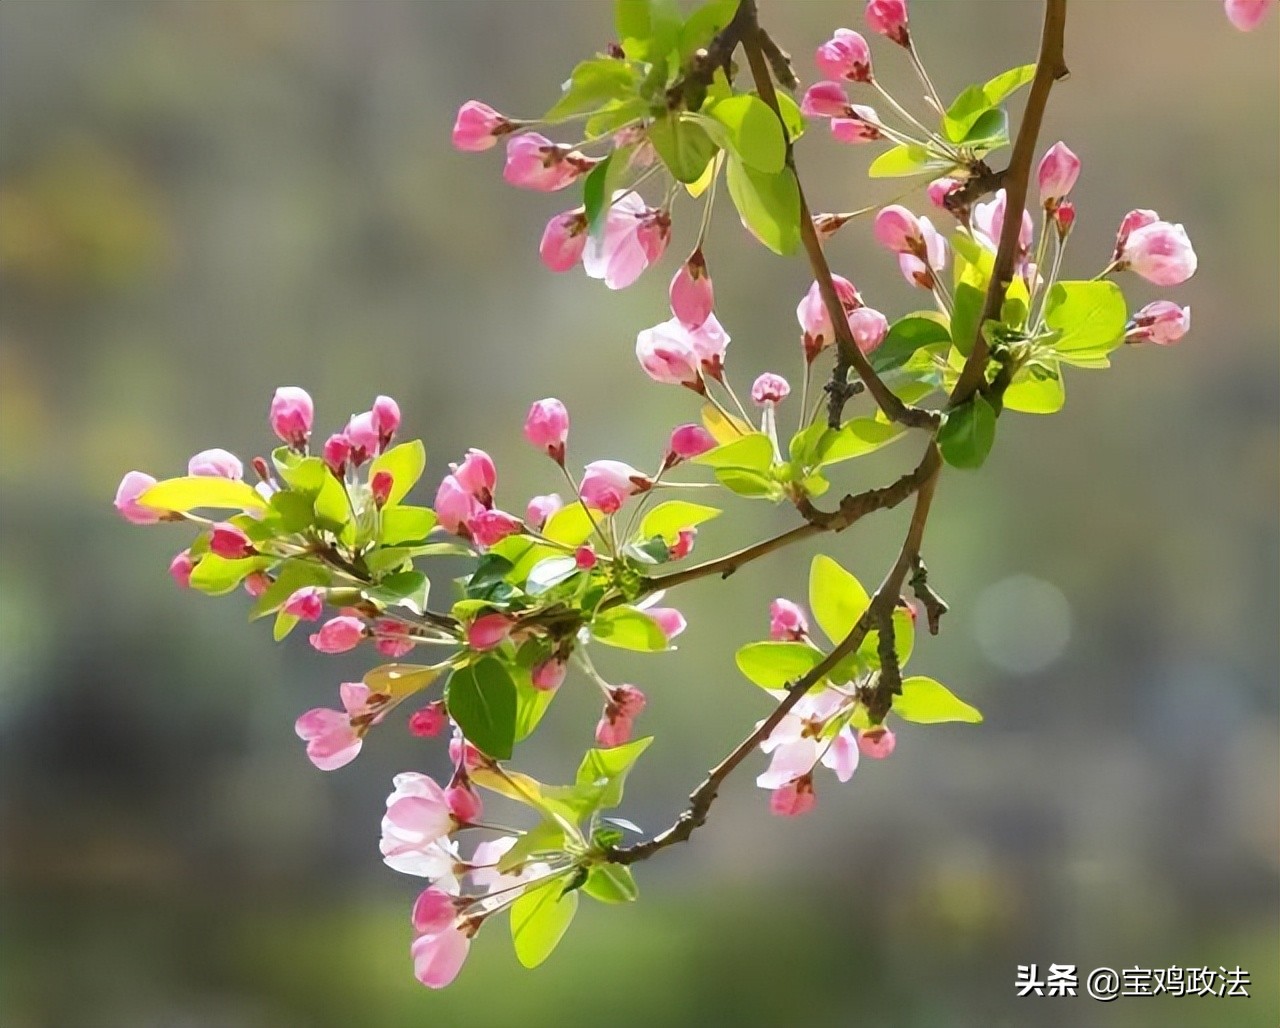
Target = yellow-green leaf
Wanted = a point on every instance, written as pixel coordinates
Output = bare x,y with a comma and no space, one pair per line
196,491
539,920
928,702
836,597
669,518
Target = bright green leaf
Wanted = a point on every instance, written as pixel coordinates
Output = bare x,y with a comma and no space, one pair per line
1030,395
705,23
482,699
753,452
571,525
405,463
607,769
751,131
1007,83
291,576
927,702
611,883
965,314
901,161
1089,318
856,437
406,589
593,84
628,628
670,518
216,575
967,435
539,919
769,204
964,112
751,484
195,491
906,336
405,525
771,665
683,144
836,597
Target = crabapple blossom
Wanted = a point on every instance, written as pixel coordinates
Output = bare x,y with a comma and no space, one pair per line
769,388
488,631
617,722
787,621
229,542
133,485
549,675
606,484
216,463
540,508
869,327
1161,322
380,486
306,603
793,799
824,100
670,620
291,415
889,18
897,229
1057,174
332,738
438,958
478,126
666,354
845,56
417,816
1064,216
815,319
547,427
876,743
477,475
941,188
429,721
257,583
691,294
634,237
464,803
1247,15
392,638
337,452
564,240
584,557
534,162
687,442
386,419
1135,219
683,545
1160,253
455,506
490,527
861,124
339,634
988,222
180,568
433,911
362,433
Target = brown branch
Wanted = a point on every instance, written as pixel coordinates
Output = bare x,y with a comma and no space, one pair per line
1050,66
934,605
881,607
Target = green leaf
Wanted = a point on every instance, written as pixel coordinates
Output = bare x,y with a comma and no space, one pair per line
628,628
705,23
906,336
967,435
481,698
406,589
836,597
989,132
964,112
1089,318
753,452
927,702
216,575
856,437
405,525
611,883
539,919
670,518
792,119
901,161
683,144
751,484
531,705
614,115
398,681
405,463
550,572
570,525
1007,83
547,836
607,770
751,131
284,624
965,313
769,204
331,505
195,491
647,29
593,84
291,576
1030,395
596,195
771,665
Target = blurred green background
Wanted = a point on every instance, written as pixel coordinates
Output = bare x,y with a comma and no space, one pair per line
200,201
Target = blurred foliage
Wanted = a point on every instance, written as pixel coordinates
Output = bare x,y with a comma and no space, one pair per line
201,201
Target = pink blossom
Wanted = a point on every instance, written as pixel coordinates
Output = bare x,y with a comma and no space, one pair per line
438,958
1057,174
1133,220
793,799
988,223
380,486
861,126
332,739
584,557
1064,216
615,731
433,911
796,744
869,327
490,527
634,237
710,342
133,485
770,388
362,434
291,415
876,743
428,721
815,320
392,638
824,100
337,451
216,463
229,542
897,229
606,484
540,508
256,583
670,620
547,427
1160,253
417,816
940,188
687,442
667,355
534,162
337,635
478,126
889,18
683,545
1247,15
180,569
549,675
1161,322
455,506
564,239
616,724
628,700
464,803
477,474
787,621
691,294
463,753
306,603
488,631
845,56
386,418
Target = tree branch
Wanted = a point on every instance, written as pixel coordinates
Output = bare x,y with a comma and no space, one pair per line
1050,66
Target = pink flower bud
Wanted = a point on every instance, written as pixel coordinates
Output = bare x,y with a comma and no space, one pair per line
257,583
710,341
563,240
683,545
794,799
670,620
180,569
653,232
477,475
787,621
628,700
380,485
534,162
667,355
815,320
691,294
988,220
940,188
549,675
829,224
845,56
1161,322
463,754
291,415
869,327
615,731
1064,216
547,427
133,485
488,631
897,229
386,418
433,911
861,126
429,721
1247,15
584,557
337,635
876,743
392,638
1160,253
437,959
889,18
542,507
1134,219
362,434
229,542
770,388
337,451
455,506
216,464
306,604
606,484
478,127
1059,169
616,724
824,100
464,803
490,527
689,441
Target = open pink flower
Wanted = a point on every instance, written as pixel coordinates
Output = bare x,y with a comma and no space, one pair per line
1161,322
988,224
1247,15
667,355
417,817
438,958
564,240
291,415
540,508
634,237
534,162
787,621
433,911
216,463
606,484
133,485
478,126
845,56
1160,253
332,740
337,635
797,743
